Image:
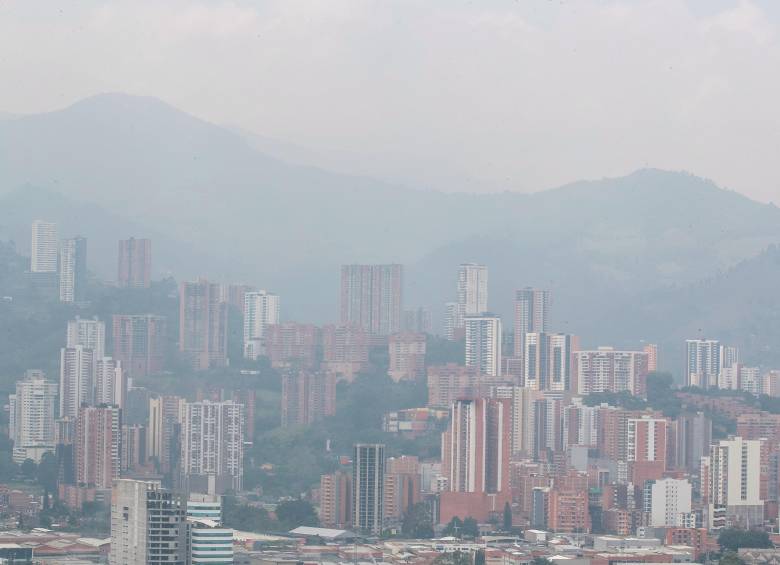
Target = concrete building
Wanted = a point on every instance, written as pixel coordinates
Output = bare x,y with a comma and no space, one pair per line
368,479
31,417
447,383
307,396
336,500
140,342
703,362
77,370
98,446
261,309
483,343
212,446
609,370
734,483
475,459
210,541
45,247
166,414
372,297
290,344
148,525
646,448
407,356
345,350
473,288
73,270
203,323
88,333
669,499
694,436
547,361
110,382
134,263
532,314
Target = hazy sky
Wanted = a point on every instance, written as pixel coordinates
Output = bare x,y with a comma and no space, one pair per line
478,95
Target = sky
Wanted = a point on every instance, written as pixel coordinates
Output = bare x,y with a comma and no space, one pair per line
481,95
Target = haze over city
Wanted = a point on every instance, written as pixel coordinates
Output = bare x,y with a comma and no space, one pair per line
389,283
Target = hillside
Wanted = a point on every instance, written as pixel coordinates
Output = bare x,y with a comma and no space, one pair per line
115,165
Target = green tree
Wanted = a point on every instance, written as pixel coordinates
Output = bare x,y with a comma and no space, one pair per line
28,469
470,527
418,522
294,513
48,472
541,561
733,539
507,517
453,558
454,528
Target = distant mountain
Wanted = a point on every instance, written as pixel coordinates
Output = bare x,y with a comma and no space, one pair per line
133,165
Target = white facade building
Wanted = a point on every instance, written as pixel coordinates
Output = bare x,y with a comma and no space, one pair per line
483,343
670,502
261,309
210,542
45,247
77,371
735,480
212,446
473,288
87,333
703,362
31,418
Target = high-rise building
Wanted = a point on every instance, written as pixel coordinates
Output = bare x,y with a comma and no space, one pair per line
694,436
307,396
336,500
734,483
417,321
669,499
110,382
148,525
524,403
166,414
450,382
31,417
407,356
475,458
652,356
77,371
210,541
133,454
212,446
568,511
45,246
371,297
402,487
261,309
140,343
646,448
290,344
703,362
345,350
473,289
453,321
532,313
368,478
90,334
203,324
609,370
483,343
580,424
134,268
98,446
73,270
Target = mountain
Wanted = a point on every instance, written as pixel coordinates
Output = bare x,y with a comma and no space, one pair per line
133,165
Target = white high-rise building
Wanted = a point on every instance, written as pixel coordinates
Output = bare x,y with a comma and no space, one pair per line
44,247
735,482
473,289
110,383
703,362
73,270
210,541
261,309
148,524
77,372
532,314
483,343
212,446
669,499
31,419
90,334
453,320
